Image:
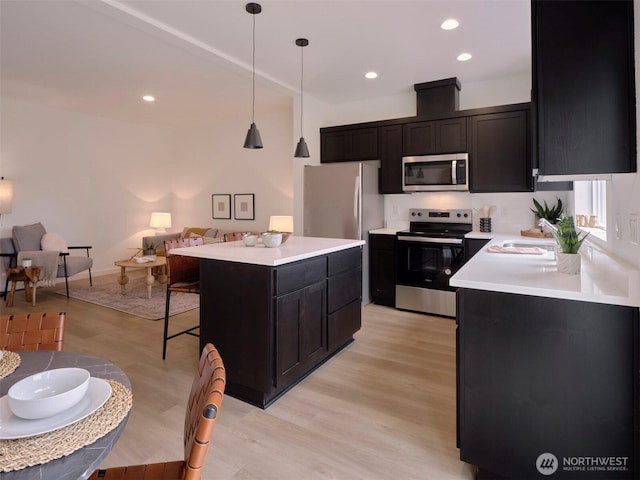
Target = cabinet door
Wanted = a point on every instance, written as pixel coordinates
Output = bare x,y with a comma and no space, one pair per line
301,331
418,138
451,135
335,146
390,150
500,152
585,103
349,145
382,269
364,144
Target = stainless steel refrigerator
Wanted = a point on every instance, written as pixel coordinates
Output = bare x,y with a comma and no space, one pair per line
341,200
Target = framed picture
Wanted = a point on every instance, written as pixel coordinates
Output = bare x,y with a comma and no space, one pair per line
221,205
243,206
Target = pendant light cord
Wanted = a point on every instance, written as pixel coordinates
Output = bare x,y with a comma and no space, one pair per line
301,89
253,67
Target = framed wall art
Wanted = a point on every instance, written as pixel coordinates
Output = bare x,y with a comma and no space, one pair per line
221,205
243,206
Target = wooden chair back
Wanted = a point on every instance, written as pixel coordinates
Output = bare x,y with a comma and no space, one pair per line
205,400
203,407
181,269
32,331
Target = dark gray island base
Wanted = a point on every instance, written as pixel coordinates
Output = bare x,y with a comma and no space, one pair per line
273,325
548,388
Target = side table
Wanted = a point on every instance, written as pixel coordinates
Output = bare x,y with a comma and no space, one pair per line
28,276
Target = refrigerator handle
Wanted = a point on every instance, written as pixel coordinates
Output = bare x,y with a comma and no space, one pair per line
356,206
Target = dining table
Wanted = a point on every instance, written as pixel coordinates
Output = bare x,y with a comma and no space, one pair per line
80,463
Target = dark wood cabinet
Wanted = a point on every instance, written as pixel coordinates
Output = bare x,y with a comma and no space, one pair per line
544,375
390,150
382,270
584,86
344,145
274,325
436,136
301,331
473,246
500,152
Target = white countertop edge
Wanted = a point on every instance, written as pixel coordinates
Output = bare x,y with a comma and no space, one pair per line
385,231
293,250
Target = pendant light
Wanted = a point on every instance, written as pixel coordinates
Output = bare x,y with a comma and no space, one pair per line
302,151
253,139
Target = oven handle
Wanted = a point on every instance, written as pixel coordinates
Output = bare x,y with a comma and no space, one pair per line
450,241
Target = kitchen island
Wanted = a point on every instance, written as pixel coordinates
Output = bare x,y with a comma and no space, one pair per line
548,366
276,314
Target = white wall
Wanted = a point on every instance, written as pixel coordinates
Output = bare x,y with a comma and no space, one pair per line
96,181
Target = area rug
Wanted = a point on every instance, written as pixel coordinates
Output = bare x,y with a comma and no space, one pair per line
135,301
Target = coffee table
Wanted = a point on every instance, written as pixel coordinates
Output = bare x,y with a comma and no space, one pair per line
123,279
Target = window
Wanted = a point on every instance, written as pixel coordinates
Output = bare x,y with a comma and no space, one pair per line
590,198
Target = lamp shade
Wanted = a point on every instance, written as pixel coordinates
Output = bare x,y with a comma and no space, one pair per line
6,195
281,223
160,221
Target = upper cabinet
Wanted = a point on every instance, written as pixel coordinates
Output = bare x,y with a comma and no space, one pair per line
437,136
390,149
500,152
584,87
348,144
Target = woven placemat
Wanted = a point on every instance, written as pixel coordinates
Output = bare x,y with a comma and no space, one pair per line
26,452
9,362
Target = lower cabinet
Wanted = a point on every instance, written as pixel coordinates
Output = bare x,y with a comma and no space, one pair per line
547,386
301,331
274,325
382,269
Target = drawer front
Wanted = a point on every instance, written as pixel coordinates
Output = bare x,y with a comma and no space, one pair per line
300,274
382,242
343,289
345,260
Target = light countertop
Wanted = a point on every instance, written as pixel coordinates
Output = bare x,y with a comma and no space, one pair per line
294,249
386,231
603,278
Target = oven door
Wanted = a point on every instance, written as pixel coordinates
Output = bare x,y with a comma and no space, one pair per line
428,262
423,271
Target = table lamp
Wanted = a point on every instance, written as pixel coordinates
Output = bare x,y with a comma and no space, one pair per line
160,221
6,195
281,223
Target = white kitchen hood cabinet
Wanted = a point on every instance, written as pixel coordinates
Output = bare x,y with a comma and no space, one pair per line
583,88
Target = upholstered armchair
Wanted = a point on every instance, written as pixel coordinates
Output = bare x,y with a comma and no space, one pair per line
48,250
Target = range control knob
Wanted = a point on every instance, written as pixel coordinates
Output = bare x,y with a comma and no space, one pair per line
459,215
466,215
447,271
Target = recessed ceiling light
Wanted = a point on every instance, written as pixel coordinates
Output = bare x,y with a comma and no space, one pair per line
463,57
371,75
449,24
149,98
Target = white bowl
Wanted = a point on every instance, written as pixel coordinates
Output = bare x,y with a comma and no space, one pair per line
271,239
250,240
48,393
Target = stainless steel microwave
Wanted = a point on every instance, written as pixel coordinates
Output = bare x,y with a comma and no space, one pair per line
435,173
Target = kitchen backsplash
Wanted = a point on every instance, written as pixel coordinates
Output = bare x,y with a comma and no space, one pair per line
512,212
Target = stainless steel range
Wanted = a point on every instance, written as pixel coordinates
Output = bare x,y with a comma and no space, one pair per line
428,254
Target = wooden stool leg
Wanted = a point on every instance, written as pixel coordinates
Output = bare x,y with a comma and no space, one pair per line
27,289
9,302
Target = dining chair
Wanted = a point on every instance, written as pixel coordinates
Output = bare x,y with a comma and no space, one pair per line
32,331
202,412
183,275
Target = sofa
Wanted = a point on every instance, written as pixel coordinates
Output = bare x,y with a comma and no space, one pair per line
209,235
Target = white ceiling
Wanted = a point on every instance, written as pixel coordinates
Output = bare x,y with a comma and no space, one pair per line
100,56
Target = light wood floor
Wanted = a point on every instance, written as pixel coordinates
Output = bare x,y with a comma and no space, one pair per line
383,408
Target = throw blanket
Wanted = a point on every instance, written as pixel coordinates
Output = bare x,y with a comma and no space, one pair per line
47,260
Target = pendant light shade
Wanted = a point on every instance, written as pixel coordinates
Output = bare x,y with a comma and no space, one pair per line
302,151
253,139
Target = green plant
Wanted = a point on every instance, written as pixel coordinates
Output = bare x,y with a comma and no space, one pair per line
552,214
566,235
